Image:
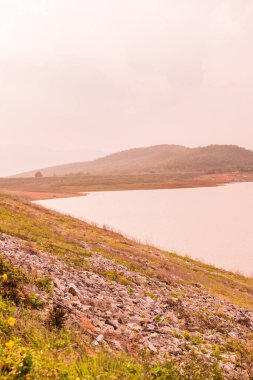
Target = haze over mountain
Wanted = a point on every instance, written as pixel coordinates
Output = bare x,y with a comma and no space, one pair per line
16,158
159,159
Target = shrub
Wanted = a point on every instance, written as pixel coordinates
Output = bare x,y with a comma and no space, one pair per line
44,283
56,317
35,301
38,174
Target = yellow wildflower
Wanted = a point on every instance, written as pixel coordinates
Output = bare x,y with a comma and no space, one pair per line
11,321
10,344
4,276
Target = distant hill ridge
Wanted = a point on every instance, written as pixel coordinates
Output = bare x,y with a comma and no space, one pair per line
159,159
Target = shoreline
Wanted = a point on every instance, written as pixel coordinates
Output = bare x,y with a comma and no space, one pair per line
32,189
140,240
38,196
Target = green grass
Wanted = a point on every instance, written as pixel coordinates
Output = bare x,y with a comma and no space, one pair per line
44,283
115,276
38,230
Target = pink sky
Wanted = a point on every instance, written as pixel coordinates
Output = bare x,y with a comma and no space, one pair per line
112,74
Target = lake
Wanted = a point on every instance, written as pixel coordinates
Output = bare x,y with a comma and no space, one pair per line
213,224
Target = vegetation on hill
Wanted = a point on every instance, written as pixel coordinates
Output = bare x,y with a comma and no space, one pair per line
160,159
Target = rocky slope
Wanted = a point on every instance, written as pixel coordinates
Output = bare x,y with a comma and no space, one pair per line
122,309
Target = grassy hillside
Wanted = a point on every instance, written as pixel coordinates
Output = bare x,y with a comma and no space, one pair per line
34,344
64,236
161,159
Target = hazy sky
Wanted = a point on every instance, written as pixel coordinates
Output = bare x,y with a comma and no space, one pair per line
112,74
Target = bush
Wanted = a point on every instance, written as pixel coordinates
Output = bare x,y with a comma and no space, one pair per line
38,174
56,317
44,283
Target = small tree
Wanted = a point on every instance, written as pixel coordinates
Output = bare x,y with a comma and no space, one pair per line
38,174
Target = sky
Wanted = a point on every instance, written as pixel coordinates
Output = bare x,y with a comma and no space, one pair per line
108,75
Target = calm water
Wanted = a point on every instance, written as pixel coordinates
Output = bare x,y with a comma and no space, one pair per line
214,224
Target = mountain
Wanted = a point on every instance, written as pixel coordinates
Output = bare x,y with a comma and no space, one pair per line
17,158
160,159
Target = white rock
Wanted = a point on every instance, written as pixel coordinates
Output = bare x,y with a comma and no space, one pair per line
151,347
100,338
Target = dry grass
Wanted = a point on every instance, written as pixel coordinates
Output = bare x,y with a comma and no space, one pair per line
52,187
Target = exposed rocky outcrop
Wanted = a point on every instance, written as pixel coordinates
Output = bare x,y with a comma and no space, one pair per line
124,310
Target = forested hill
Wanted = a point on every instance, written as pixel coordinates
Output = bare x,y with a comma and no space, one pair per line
160,159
